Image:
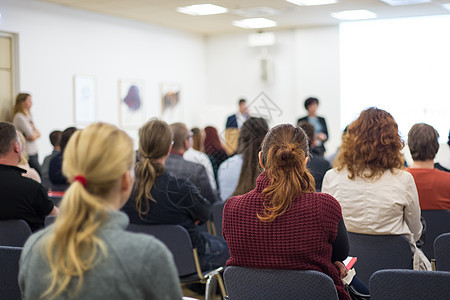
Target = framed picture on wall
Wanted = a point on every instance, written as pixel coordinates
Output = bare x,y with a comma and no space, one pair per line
85,103
170,97
131,107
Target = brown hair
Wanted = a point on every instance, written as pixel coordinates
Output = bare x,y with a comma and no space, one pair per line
250,138
155,138
20,99
197,139
372,143
308,128
283,154
423,142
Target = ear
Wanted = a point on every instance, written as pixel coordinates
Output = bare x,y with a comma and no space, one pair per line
126,181
16,147
186,144
260,160
170,150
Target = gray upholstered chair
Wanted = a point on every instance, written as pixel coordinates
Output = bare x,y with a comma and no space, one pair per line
249,283
217,211
437,222
378,252
14,233
177,239
442,252
409,284
9,272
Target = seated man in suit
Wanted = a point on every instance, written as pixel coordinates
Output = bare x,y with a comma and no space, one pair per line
234,124
177,166
317,164
20,197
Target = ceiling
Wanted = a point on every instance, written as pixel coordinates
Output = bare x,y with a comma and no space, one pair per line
163,12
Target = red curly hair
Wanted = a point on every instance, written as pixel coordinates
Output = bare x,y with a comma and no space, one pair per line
372,143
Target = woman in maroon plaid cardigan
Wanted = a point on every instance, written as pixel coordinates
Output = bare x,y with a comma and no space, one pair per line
283,223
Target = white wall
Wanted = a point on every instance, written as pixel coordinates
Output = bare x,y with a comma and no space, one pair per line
55,43
305,63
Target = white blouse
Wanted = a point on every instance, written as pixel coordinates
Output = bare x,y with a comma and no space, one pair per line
386,205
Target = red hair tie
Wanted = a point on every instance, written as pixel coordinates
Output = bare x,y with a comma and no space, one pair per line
81,179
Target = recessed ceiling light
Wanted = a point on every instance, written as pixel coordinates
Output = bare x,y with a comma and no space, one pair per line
358,14
446,5
202,9
256,12
255,23
312,2
404,2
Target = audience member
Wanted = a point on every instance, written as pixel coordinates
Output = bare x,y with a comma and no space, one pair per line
432,184
198,156
233,125
22,198
23,164
55,140
179,167
160,198
214,148
87,254
320,126
198,139
444,165
376,195
23,121
282,223
237,175
57,178
317,164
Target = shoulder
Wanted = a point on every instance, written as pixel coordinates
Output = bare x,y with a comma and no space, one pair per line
33,241
305,118
176,184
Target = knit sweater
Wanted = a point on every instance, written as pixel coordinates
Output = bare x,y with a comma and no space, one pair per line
137,266
299,239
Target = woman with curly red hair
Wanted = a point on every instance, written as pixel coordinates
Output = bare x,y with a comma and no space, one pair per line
376,195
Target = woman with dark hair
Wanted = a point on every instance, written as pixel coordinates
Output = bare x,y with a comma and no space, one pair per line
23,121
237,175
214,148
377,196
283,223
159,198
197,139
320,126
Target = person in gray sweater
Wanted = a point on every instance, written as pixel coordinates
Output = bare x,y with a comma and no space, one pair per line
87,254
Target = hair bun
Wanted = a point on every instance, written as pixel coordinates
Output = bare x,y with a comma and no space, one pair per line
287,155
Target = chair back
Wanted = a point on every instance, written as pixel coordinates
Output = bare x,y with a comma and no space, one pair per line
49,220
9,266
177,239
249,283
14,233
378,252
437,223
409,284
442,252
217,211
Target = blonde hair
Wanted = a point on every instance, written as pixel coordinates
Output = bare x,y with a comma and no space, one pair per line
18,107
101,153
23,153
155,138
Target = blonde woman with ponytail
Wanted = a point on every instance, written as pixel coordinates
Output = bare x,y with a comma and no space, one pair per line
87,254
283,223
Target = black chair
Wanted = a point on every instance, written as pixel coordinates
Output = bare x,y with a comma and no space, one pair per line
442,252
378,252
49,220
409,284
217,211
250,283
14,233
437,223
9,266
177,239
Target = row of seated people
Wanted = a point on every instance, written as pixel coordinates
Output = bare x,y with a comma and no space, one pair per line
161,198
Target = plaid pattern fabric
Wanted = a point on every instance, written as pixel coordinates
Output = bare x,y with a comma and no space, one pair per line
300,239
